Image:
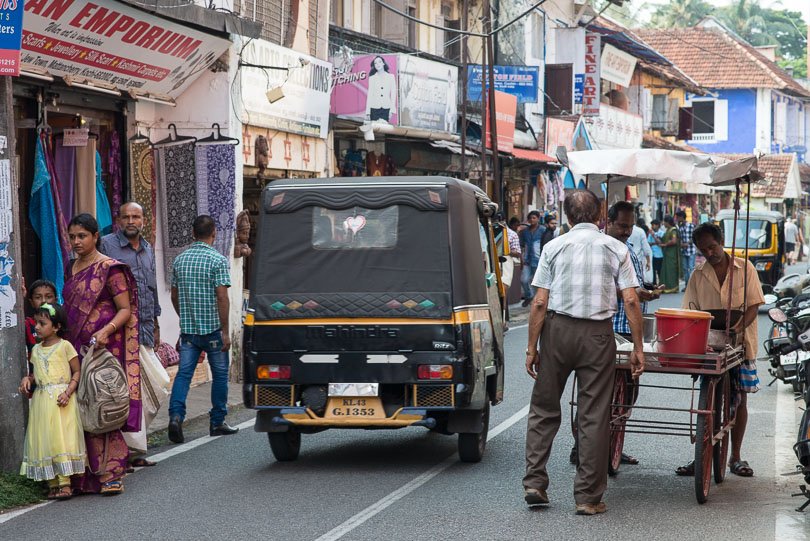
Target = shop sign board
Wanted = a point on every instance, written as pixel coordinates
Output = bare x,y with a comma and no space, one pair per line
113,43
615,128
428,94
353,76
591,84
505,112
617,66
304,107
11,28
559,133
75,137
520,81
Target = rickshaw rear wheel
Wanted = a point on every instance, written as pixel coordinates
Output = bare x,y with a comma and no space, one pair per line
471,446
285,445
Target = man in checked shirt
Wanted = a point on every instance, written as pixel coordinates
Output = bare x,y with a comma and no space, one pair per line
571,316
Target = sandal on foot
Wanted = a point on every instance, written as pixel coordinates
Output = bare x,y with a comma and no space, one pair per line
741,468
112,488
141,462
628,459
687,470
63,493
52,493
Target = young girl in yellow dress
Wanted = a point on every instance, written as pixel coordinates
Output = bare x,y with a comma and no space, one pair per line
54,441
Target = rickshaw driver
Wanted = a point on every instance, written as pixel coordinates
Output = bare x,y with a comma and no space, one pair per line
708,290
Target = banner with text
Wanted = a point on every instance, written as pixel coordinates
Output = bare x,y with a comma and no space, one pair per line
591,84
520,81
11,27
116,44
505,112
304,109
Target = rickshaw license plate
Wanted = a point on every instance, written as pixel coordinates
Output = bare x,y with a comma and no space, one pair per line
356,408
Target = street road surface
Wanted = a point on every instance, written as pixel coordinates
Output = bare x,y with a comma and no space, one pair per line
408,484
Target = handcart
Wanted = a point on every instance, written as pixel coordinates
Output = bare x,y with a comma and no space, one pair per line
711,413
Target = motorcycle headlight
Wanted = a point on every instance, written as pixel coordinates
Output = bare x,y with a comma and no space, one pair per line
763,265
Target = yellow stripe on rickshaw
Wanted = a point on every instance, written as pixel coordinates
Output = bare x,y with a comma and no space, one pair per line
461,317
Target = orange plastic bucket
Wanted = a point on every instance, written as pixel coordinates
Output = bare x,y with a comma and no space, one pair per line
682,331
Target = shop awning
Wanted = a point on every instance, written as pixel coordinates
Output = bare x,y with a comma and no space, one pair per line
533,156
115,48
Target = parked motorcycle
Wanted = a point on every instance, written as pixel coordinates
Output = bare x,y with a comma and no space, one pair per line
786,366
785,346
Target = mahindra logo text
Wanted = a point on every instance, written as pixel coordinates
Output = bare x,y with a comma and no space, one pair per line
351,332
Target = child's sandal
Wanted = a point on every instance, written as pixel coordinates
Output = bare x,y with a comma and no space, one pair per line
63,493
112,488
52,493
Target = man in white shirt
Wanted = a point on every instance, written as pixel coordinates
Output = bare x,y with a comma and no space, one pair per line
577,278
791,236
640,246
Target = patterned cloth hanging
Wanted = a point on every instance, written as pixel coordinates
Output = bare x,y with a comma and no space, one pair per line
142,184
175,172
114,170
103,214
216,190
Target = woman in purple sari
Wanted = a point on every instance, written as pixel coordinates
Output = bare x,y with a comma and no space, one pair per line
101,300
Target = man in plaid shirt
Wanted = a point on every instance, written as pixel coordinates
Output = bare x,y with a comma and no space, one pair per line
200,282
685,232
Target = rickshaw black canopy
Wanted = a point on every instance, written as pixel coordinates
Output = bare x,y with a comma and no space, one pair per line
368,247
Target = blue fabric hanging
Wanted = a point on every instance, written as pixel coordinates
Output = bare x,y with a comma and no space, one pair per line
42,213
103,214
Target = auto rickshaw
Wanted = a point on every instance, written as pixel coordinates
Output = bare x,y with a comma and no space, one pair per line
376,304
766,242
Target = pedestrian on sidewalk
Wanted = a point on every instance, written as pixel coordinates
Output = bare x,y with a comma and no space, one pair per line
671,249
54,441
654,238
128,246
200,282
791,241
101,303
688,251
577,281
531,239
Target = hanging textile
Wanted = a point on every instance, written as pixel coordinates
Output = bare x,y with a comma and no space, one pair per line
63,215
103,214
42,213
64,167
175,176
142,184
216,195
114,170
85,194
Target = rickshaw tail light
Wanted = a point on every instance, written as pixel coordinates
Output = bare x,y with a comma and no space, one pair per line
273,371
434,371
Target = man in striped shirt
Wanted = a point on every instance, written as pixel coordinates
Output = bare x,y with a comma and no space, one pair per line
577,279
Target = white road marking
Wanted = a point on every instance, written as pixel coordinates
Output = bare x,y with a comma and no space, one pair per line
382,504
519,327
788,525
174,451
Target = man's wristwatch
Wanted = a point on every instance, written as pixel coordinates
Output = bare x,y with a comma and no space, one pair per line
529,352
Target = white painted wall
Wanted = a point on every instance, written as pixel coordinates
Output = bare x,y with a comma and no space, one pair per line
763,122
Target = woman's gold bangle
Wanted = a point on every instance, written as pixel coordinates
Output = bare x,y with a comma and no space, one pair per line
114,326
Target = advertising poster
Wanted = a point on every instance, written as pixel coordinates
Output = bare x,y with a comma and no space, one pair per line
364,87
304,109
520,81
11,28
591,84
428,93
505,111
113,43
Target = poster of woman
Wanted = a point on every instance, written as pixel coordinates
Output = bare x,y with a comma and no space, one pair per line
365,88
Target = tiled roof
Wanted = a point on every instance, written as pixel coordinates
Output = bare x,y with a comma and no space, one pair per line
668,72
716,59
652,141
775,168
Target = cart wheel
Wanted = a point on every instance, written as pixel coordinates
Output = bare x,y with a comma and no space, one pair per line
285,445
703,439
471,446
618,419
722,414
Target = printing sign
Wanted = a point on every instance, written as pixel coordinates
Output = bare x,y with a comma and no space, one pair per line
113,43
11,27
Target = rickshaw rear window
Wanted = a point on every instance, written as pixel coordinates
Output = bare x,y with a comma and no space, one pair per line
354,228
759,234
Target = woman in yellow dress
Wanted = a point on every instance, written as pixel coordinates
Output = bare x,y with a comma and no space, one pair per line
54,441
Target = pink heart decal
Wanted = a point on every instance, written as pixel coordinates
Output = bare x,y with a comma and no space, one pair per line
355,223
